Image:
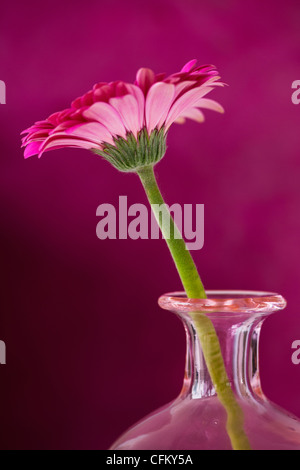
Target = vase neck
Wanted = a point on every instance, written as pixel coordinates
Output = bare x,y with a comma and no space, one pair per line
229,324
239,342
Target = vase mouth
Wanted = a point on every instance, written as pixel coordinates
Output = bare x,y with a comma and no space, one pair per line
224,302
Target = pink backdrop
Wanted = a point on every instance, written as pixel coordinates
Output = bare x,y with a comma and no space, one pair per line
88,350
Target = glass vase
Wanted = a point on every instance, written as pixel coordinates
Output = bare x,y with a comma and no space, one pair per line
197,419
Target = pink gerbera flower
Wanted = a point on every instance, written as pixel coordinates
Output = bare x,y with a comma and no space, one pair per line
127,123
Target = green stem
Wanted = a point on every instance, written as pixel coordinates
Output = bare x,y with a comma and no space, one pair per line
204,327
181,256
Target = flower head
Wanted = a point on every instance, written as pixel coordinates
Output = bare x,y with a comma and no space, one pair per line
127,123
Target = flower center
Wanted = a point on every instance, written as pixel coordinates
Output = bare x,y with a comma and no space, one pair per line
132,153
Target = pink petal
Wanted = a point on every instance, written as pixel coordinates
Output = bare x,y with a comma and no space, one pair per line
106,115
104,92
60,141
36,133
186,101
181,86
54,118
145,79
128,109
180,120
192,113
159,77
99,85
91,131
158,102
213,81
120,89
88,99
37,126
64,115
188,66
63,126
140,98
210,104
32,148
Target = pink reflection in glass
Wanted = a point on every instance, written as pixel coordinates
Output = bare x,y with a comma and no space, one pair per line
196,419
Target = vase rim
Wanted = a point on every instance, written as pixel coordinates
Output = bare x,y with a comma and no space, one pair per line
224,301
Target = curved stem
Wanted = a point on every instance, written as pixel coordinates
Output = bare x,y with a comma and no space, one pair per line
181,256
194,289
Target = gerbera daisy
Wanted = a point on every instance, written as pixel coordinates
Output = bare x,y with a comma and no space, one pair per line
127,123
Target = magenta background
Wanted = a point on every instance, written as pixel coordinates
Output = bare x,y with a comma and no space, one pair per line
89,351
